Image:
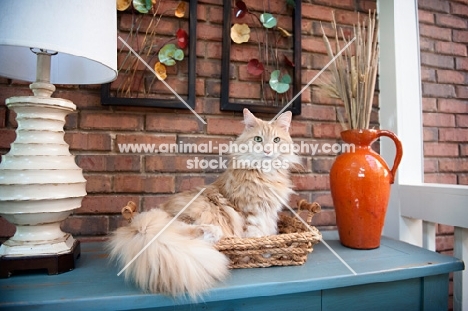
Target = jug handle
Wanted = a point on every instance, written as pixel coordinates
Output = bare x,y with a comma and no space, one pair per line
399,151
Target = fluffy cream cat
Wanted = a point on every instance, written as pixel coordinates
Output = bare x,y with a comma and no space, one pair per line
243,202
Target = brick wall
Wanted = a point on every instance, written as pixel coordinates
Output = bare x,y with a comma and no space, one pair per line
444,73
115,178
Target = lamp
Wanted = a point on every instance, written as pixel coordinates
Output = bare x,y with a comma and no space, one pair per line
53,41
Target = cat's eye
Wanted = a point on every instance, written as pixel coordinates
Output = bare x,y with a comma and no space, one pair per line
258,139
276,140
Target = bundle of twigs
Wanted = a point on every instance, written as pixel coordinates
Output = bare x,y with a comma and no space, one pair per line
354,76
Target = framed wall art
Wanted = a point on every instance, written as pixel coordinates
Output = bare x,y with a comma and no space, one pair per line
261,60
164,35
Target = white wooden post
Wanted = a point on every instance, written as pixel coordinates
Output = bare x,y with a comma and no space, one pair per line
400,106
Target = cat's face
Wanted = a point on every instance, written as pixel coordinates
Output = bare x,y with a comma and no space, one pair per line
265,145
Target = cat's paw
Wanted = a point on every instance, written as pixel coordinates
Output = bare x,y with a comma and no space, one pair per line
253,232
211,233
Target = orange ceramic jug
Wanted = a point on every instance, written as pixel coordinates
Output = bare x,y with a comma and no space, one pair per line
360,186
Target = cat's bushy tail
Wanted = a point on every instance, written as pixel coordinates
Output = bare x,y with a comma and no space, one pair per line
174,263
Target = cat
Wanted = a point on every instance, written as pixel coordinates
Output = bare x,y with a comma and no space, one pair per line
243,202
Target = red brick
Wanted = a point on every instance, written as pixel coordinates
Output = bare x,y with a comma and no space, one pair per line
322,165
461,91
213,88
453,106
86,225
437,61
316,12
438,119
431,166
213,50
462,121
144,183
434,5
321,113
184,183
450,76
326,130
463,179
209,32
299,129
464,150
224,126
438,178
428,75
440,149
453,165
450,48
444,229
153,201
435,32
311,182
426,17
325,218
208,68
429,104
111,121
460,36
456,135
430,134
459,9
173,123
427,44
245,90
438,90
109,163
450,21
461,63
366,5
88,141
98,183
105,204
444,243
314,44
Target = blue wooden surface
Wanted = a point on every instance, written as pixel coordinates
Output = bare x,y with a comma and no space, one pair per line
396,270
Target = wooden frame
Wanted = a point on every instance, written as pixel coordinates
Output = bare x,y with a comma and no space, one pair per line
108,99
226,104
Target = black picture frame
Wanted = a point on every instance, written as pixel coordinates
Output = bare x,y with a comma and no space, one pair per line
226,104
108,100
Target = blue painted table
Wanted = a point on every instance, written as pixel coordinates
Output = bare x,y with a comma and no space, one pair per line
396,276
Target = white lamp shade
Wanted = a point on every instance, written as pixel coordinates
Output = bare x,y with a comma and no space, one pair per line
84,33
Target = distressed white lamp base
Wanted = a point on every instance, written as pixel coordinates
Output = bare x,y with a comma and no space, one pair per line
40,184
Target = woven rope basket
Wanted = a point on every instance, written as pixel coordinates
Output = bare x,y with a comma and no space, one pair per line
289,247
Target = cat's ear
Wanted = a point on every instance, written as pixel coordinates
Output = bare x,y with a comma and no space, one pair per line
250,120
284,120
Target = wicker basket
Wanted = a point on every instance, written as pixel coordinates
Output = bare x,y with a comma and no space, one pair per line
288,248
